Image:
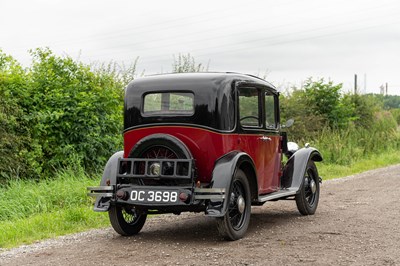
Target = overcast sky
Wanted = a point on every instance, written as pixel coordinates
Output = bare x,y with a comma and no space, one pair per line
289,40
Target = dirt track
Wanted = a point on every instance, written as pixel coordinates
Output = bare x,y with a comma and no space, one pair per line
357,223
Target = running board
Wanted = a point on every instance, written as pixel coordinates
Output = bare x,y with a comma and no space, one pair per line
278,194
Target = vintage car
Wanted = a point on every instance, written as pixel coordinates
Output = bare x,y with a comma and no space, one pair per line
204,142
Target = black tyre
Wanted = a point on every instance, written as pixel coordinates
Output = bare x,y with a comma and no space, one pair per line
308,196
235,222
126,222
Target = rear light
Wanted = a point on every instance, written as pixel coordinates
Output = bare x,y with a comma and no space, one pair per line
121,194
183,196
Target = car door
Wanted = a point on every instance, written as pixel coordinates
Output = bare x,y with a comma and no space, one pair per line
253,137
272,150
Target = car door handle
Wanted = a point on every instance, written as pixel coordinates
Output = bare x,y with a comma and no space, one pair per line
264,138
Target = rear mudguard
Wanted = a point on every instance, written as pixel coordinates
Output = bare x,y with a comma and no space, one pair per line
102,204
295,168
222,175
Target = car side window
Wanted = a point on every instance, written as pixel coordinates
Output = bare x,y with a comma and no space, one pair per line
249,111
270,116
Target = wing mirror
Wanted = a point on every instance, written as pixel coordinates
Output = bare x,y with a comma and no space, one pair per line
288,123
292,147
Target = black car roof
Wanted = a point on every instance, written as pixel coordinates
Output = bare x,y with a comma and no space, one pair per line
214,77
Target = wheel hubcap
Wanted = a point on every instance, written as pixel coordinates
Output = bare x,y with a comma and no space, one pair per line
241,204
310,188
313,186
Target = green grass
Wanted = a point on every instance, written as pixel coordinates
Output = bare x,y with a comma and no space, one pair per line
49,224
330,171
35,210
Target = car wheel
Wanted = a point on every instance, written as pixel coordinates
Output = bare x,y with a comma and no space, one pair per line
233,225
126,222
308,196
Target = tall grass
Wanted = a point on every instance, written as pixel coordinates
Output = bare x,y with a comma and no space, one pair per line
346,146
331,171
34,210
22,198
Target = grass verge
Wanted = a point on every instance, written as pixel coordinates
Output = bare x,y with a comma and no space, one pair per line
330,171
35,210
49,224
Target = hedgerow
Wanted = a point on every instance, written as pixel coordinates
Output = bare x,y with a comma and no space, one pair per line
56,111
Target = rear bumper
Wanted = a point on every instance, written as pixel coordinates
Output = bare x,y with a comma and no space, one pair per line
106,195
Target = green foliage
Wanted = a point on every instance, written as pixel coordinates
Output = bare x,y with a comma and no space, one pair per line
333,170
56,111
307,124
33,210
50,224
186,63
346,146
396,115
387,101
345,128
74,111
18,150
23,198
391,102
364,109
325,100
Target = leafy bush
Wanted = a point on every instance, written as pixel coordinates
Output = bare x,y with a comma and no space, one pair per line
324,99
55,111
18,150
344,127
307,124
73,110
396,115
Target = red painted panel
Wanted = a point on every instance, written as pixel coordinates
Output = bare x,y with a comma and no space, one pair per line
207,146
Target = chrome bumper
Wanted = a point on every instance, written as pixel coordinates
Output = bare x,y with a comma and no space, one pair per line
198,194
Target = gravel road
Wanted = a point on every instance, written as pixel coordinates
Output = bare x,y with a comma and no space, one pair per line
357,223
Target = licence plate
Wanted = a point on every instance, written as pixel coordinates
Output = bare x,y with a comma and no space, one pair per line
154,196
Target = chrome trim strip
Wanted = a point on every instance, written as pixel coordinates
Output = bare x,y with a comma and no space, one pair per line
209,193
216,197
100,188
209,190
277,195
95,194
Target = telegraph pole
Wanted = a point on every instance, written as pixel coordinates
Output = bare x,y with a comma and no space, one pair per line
387,88
355,83
365,83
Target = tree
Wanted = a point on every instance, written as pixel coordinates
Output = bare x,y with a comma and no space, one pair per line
73,111
326,100
186,63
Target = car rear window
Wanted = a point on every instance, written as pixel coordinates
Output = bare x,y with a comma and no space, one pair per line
168,103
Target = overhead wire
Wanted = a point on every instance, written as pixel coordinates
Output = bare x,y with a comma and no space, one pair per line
227,46
147,28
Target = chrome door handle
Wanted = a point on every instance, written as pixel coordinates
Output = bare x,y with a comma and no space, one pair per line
264,138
